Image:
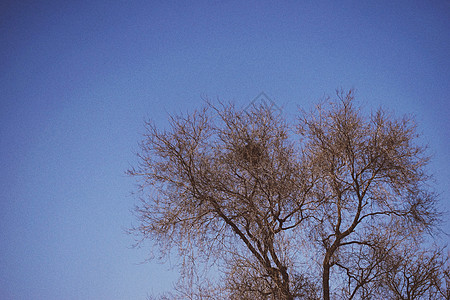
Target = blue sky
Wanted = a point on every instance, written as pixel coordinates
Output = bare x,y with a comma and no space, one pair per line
78,79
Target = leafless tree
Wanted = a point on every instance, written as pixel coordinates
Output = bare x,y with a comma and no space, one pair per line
417,274
280,211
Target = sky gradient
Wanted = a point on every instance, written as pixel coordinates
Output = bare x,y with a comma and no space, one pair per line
79,78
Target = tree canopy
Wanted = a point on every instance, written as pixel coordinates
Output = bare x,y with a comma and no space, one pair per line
335,205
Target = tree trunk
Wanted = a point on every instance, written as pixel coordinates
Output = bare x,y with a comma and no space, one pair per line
286,293
327,266
326,280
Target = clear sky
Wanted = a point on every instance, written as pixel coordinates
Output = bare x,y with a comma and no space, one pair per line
78,79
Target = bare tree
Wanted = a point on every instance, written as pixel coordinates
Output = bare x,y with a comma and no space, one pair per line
372,186
417,274
233,185
252,195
